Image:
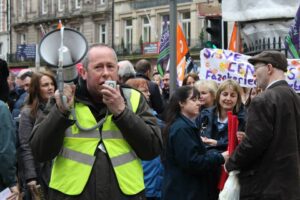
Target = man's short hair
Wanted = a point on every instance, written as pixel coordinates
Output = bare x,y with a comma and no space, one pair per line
142,66
85,61
126,68
26,74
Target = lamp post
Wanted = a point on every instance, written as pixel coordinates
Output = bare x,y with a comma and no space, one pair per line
113,24
173,59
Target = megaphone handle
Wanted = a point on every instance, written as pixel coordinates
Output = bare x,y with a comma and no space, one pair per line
63,99
61,55
60,81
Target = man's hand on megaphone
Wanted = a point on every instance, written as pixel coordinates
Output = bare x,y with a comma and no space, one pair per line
67,96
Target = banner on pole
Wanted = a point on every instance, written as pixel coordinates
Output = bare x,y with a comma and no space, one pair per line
184,61
219,65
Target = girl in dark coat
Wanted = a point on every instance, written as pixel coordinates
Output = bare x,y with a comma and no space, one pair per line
187,160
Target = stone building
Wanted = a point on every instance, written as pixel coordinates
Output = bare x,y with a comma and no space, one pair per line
4,29
128,26
31,19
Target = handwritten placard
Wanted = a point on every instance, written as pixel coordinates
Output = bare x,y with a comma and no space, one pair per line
219,65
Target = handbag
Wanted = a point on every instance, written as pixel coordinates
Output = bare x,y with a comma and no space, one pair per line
231,190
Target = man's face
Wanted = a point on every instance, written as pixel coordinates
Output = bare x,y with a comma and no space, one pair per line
26,83
102,66
261,75
166,81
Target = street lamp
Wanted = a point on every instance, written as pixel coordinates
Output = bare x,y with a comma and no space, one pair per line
173,59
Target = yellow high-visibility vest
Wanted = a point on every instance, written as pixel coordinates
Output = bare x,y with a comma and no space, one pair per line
73,166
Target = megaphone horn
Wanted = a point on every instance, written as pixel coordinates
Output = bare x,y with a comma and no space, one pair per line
74,49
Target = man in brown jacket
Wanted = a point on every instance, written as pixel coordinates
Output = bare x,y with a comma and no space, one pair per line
101,163
269,156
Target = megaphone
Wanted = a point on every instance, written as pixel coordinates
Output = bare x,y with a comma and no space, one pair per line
73,50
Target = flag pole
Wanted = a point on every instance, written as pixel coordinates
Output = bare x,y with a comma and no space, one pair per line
151,25
173,59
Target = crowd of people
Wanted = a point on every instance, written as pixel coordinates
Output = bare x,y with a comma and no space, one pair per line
138,141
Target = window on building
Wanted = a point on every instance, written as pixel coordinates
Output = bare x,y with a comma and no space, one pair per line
103,33
128,35
102,1
44,6
1,16
186,26
53,6
164,18
146,35
60,5
23,38
22,8
78,4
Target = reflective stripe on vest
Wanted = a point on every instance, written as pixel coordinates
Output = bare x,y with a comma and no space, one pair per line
73,165
77,156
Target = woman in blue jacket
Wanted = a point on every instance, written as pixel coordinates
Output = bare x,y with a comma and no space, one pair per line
187,160
213,121
213,124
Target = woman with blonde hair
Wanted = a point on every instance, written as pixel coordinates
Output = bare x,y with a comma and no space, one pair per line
213,122
228,98
208,90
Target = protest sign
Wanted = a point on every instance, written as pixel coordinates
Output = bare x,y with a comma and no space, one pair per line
219,65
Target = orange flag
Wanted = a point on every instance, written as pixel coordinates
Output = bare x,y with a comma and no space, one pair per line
233,39
59,25
182,50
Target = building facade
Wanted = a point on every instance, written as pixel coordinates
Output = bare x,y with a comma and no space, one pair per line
132,28
139,22
4,28
32,19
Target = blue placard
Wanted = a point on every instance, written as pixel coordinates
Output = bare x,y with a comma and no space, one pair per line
26,51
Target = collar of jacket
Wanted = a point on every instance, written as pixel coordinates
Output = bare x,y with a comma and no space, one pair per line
140,75
280,82
188,121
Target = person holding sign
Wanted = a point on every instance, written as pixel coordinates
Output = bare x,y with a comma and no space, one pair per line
268,158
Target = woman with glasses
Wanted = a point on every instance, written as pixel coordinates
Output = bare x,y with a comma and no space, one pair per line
186,158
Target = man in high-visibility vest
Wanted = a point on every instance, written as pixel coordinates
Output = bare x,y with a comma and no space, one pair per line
97,137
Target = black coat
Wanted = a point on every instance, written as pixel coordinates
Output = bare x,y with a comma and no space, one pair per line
187,163
269,156
29,168
4,73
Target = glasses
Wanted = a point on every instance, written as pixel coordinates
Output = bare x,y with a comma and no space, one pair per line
256,67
